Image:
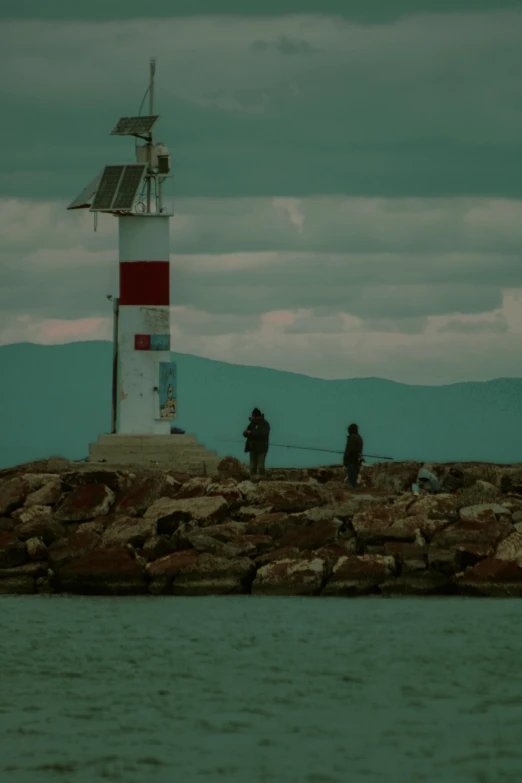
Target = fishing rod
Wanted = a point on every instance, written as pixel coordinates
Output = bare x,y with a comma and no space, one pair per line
304,448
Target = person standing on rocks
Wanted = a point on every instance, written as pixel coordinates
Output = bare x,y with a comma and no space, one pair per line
353,455
257,436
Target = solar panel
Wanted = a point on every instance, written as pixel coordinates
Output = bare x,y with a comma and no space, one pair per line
132,126
129,184
85,198
107,188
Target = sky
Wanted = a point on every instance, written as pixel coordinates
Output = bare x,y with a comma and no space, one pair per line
347,190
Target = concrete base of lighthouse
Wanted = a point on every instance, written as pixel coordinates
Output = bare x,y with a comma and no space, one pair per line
163,452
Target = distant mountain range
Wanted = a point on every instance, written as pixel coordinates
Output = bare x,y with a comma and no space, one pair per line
55,400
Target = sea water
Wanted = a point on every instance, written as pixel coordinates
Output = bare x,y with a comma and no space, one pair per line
149,690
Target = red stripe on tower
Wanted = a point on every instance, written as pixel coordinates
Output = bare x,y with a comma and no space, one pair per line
145,283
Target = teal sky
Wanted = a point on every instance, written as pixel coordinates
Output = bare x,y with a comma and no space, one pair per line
348,178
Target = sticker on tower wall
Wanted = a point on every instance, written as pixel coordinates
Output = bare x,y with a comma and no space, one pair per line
167,390
142,342
160,342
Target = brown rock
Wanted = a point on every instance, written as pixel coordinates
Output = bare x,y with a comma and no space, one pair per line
169,513
47,495
103,572
246,513
283,553
227,490
38,522
374,523
97,525
117,481
493,578
32,570
137,500
444,560
484,511
391,476
478,493
472,553
210,575
274,524
36,549
75,546
290,577
194,487
411,527
17,585
128,530
488,532
86,502
510,548
12,494
421,583
332,552
284,495
229,467
443,507
6,524
235,547
168,567
12,550
411,557
358,575
313,536
156,547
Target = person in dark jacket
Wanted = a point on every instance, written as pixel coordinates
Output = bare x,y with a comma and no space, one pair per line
353,454
257,436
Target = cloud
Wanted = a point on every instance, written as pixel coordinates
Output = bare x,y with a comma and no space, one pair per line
402,108
285,45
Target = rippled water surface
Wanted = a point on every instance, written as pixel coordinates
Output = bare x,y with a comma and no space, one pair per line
251,689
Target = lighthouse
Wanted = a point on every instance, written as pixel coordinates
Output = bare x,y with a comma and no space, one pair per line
144,379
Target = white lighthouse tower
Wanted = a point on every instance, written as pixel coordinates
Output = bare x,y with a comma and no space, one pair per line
144,395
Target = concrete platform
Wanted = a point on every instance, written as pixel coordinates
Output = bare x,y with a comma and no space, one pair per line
165,452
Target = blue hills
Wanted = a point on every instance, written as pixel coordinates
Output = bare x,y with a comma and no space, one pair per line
55,400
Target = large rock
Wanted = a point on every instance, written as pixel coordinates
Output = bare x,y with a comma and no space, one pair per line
210,575
170,513
434,507
487,532
87,501
359,575
228,490
274,524
290,577
156,547
492,577
411,557
510,548
167,567
380,523
283,495
36,549
136,501
103,572
46,495
236,546
281,553
12,550
39,522
229,467
195,487
420,583
128,530
484,511
478,493
331,553
75,546
313,536
391,476
21,580
12,494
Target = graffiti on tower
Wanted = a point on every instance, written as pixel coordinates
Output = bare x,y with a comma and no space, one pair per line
167,390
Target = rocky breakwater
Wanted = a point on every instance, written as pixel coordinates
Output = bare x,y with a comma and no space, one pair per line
67,529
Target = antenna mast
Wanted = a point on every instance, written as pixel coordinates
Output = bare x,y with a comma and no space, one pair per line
151,112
